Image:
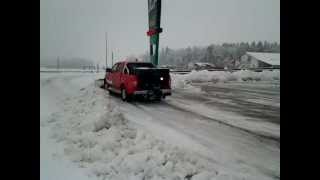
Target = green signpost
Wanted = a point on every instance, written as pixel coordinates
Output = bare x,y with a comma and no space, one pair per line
154,9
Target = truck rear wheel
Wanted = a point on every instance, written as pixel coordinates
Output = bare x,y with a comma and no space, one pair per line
159,98
110,92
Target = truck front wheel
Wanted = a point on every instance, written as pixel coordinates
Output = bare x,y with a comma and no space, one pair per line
105,84
124,95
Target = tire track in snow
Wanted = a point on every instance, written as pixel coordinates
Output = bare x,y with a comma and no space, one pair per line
201,138
259,136
256,134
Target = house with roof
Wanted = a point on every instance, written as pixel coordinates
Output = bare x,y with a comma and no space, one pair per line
200,66
259,60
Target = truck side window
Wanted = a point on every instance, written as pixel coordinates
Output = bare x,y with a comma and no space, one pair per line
126,71
120,68
114,68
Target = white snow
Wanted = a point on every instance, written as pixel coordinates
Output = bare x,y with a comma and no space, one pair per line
45,69
53,166
264,102
81,123
265,128
183,81
180,82
97,136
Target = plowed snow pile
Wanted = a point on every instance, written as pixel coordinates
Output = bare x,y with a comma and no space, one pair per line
96,135
182,81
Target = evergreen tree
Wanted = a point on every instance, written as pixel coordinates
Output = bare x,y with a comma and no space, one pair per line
253,46
259,47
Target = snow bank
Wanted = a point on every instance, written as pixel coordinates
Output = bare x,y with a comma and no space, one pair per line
183,81
96,135
180,82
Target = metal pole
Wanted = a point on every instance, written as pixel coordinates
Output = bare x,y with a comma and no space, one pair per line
58,63
151,51
154,13
157,50
112,59
154,49
106,50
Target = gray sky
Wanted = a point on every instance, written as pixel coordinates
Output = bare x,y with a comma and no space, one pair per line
76,28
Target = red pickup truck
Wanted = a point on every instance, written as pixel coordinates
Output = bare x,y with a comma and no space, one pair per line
134,79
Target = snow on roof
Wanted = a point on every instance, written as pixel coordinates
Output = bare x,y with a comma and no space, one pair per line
270,58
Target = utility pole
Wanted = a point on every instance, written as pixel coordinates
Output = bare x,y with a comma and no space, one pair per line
154,14
112,58
106,50
58,63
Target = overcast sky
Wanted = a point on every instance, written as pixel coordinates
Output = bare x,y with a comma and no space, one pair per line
76,28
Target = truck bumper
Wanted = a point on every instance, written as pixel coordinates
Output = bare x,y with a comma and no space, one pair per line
165,92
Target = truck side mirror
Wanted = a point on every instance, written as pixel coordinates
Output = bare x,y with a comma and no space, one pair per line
108,70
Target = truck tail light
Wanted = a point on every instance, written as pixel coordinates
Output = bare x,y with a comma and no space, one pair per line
135,83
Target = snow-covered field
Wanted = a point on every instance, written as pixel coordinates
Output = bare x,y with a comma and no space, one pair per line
88,134
45,69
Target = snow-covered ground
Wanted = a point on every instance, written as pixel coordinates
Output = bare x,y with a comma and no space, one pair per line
181,81
53,164
88,134
45,69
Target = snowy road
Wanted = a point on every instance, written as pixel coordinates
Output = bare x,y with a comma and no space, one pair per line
235,126
197,120
252,107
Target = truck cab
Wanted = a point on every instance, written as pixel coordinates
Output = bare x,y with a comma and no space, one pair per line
133,79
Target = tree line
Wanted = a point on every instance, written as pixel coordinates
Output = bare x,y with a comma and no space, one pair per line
221,55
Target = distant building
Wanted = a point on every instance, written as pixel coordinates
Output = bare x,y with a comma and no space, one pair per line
200,66
259,60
